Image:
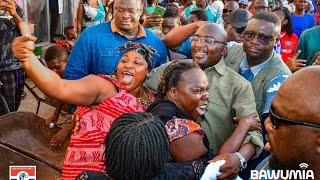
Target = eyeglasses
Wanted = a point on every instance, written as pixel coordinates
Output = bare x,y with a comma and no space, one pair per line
261,8
277,119
263,39
227,11
208,41
239,30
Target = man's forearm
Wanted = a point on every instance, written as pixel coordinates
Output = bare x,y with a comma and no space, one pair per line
177,35
248,150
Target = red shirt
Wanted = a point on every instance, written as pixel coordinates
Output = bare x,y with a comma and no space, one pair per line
288,45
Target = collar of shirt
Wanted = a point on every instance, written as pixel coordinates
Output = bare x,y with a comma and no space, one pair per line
141,31
219,67
254,69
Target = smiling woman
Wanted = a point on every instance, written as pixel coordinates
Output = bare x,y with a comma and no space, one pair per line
100,99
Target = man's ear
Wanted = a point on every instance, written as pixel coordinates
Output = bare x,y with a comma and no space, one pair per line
277,40
224,51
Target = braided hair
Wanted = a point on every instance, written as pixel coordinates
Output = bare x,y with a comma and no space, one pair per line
172,76
137,147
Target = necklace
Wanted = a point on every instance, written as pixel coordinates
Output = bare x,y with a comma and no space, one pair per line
144,103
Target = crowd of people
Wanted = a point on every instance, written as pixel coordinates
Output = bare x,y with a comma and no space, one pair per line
214,87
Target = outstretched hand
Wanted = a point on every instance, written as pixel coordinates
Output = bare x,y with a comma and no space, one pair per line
295,64
23,47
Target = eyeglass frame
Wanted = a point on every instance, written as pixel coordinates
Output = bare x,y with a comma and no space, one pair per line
275,119
261,7
203,40
227,11
257,35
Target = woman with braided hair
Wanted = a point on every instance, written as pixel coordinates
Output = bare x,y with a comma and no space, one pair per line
182,98
137,147
100,99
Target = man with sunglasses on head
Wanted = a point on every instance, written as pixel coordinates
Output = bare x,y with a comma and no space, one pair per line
236,24
230,94
229,7
294,125
257,62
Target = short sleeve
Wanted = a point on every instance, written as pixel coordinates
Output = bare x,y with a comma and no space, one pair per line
185,48
77,66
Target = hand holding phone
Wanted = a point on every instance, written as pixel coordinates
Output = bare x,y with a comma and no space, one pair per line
159,11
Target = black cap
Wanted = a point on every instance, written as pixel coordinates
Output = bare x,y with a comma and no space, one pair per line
239,18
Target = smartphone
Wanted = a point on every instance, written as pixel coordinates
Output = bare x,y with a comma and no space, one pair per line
159,11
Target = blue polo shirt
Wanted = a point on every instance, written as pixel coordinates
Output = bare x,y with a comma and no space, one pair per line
95,51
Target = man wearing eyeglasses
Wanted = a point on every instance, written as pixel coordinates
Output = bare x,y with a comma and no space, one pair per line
236,24
294,125
229,7
256,60
230,94
260,5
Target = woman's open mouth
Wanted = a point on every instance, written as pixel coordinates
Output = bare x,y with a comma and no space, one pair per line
201,109
126,77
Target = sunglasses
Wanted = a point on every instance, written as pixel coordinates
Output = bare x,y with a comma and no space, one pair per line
277,119
240,30
261,7
262,39
227,11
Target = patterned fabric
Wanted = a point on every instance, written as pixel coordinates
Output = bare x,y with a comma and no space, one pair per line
13,84
93,16
86,147
142,49
178,128
8,31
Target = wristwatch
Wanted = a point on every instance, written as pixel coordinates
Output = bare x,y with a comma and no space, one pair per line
243,162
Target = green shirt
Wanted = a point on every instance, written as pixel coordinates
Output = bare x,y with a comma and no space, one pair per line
309,44
230,96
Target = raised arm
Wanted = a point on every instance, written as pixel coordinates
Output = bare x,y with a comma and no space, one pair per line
176,36
10,6
85,92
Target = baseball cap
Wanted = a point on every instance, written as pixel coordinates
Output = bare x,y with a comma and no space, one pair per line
239,18
272,3
245,2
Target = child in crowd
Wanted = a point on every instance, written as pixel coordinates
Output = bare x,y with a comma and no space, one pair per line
56,58
171,20
71,37
198,15
71,34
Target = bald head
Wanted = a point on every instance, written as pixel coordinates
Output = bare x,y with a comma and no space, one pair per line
298,96
212,29
231,5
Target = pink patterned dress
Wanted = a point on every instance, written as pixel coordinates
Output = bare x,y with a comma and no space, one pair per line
86,148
